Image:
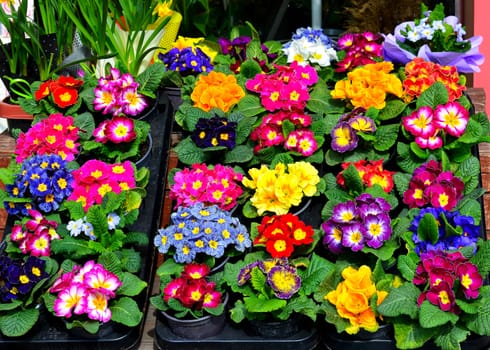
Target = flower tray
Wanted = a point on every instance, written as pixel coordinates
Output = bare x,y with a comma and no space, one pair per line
50,332
235,337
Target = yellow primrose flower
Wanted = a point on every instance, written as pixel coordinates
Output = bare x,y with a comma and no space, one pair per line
287,190
352,299
307,176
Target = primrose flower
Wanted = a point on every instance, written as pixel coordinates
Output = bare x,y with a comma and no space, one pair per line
54,135
45,180
282,233
368,86
211,185
371,173
118,94
85,289
189,60
357,223
192,289
216,90
352,299
447,222
430,185
360,49
19,276
310,46
201,230
214,132
277,190
439,271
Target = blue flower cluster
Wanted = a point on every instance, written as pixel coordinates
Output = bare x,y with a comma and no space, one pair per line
455,231
313,35
18,277
201,230
188,61
44,180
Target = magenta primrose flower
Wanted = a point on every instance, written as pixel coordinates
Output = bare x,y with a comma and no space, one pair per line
286,89
430,185
53,135
35,236
119,129
86,290
429,126
443,275
94,179
117,94
211,185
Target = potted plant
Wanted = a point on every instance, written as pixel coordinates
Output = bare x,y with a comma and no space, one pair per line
435,38
192,300
126,32
202,232
280,188
274,282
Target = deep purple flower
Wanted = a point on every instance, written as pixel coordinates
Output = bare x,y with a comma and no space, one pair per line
344,138
214,132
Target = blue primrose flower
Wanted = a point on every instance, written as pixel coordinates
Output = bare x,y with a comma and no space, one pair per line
468,232
200,229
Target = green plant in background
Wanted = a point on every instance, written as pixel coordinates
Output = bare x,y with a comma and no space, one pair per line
22,52
131,29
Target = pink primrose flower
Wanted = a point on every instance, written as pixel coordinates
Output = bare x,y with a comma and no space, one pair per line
72,299
98,307
452,118
120,129
420,123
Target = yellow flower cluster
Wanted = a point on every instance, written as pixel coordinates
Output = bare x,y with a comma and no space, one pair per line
353,297
367,86
278,189
216,90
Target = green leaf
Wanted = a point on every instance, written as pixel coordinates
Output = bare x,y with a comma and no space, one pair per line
131,285
11,305
452,340
428,229
432,315
91,326
352,180
250,106
239,154
435,95
71,247
482,258
262,305
111,262
19,322
130,260
126,311
479,323
386,136
238,312
401,301
409,335
321,100
189,153
407,266
392,110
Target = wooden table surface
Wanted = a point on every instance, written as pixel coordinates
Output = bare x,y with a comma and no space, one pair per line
478,98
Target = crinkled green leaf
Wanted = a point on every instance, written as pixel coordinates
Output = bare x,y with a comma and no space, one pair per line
432,316
126,311
392,110
401,301
131,285
19,322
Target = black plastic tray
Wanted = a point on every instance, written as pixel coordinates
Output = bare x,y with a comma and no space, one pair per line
50,333
234,337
